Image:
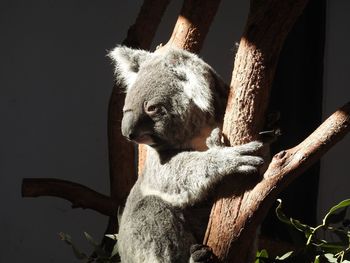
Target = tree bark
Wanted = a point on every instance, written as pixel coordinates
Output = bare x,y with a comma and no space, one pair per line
267,26
193,24
285,167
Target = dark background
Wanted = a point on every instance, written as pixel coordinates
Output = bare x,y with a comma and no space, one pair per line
55,82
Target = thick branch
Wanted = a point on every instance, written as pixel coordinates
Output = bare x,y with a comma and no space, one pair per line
141,34
79,195
193,24
285,167
267,27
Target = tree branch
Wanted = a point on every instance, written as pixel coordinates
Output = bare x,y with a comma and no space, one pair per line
141,33
285,167
79,195
193,24
267,27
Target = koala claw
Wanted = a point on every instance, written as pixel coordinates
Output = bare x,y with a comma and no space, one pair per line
202,254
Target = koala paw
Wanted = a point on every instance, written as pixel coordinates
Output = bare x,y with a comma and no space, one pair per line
242,159
214,139
202,254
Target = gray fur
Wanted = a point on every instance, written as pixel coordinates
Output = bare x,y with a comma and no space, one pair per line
173,102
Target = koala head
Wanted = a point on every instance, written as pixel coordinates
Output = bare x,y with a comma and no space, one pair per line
171,97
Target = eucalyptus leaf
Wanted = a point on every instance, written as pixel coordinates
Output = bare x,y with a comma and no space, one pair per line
332,247
280,215
342,204
330,258
307,230
285,256
337,217
260,255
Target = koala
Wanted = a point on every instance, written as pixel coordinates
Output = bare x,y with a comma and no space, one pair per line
174,104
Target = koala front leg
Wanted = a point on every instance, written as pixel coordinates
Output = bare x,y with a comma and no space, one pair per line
187,177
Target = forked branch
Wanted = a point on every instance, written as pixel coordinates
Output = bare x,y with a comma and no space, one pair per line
234,220
285,167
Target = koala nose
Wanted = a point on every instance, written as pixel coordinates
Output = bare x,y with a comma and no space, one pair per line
128,125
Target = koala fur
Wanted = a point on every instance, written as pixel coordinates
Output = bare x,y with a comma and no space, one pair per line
174,101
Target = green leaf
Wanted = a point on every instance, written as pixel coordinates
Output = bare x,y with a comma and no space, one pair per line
337,217
261,255
285,256
330,258
280,215
307,230
317,259
331,247
342,204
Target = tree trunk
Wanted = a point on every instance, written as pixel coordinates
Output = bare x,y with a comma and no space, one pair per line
267,26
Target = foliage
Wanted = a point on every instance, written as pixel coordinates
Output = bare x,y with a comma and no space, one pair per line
327,242
99,255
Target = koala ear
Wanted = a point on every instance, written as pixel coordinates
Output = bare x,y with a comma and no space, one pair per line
198,88
195,76
127,63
